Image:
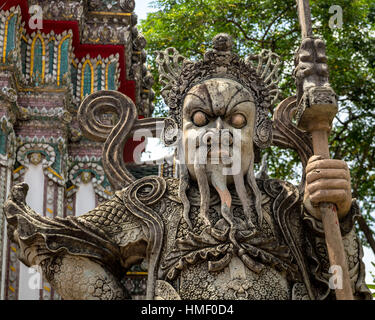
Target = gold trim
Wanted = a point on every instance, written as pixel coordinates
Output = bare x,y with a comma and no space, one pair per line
6,37
59,58
18,169
130,273
106,75
162,170
39,89
103,13
87,62
55,173
20,88
67,190
33,54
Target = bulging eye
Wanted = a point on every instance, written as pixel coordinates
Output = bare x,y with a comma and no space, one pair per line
238,121
200,119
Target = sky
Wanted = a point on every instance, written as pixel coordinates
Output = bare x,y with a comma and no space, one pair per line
142,7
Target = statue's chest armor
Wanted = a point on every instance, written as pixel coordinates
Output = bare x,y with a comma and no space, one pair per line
235,282
186,262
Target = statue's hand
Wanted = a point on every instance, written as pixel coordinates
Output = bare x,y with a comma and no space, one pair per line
327,180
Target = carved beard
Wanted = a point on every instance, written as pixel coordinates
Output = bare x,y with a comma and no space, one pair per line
214,172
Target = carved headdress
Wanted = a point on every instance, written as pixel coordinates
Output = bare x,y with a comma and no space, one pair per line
257,73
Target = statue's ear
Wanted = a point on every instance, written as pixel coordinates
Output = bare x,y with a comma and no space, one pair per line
170,134
263,134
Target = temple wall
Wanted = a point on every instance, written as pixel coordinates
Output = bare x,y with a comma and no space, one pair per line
85,198
34,177
44,76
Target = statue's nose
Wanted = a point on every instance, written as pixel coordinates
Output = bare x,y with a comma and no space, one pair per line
226,138
219,124
209,138
217,137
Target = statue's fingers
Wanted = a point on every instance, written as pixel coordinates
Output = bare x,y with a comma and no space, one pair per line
332,196
314,158
327,174
327,184
326,164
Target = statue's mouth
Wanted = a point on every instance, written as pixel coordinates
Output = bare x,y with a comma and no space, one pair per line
219,157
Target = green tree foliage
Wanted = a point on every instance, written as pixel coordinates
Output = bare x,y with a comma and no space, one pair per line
189,26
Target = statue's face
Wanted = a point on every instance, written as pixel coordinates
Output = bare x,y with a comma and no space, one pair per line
219,114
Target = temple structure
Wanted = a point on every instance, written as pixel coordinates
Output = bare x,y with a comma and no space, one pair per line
52,55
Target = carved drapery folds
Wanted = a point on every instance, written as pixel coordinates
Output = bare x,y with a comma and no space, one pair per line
138,199
286,135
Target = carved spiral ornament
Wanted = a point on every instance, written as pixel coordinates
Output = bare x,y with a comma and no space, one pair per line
114,136
286,135
138,198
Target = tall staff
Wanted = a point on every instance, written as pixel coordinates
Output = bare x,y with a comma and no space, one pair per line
316,112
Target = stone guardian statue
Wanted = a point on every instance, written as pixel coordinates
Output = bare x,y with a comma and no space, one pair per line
214,230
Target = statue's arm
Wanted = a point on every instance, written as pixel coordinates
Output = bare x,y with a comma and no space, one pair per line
328,180
317,254
84,257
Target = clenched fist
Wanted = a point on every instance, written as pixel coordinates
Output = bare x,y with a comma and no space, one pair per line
327,180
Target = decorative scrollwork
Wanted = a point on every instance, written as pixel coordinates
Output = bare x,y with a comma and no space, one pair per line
127,5
268,67
170,64
287,136
115,135
137,198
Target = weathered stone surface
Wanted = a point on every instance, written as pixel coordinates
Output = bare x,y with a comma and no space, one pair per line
210,233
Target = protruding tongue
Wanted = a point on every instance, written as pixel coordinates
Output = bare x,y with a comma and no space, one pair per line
220,184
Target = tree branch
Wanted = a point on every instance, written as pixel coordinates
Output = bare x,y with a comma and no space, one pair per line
272,23
243,31
367,231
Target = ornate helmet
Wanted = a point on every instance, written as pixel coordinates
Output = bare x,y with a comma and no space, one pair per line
257,73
